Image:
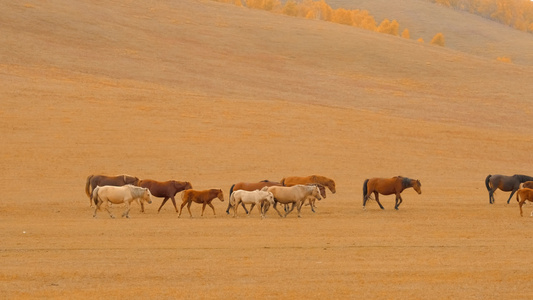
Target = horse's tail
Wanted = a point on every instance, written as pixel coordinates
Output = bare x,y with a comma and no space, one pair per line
94,195
365,188
87,186
487,182
231,200
231,189
282,182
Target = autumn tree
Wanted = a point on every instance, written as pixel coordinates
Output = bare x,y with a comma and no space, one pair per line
438,39
405,34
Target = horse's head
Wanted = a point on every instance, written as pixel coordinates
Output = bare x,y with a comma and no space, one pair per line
316,192
270,198
147,196
331,186
416,185
220,195
131,180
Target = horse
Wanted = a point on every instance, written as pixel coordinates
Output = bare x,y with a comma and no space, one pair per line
119,194
526,194
203,197
296,195
166,190
249,186
254,198
294,180
311,200
389,186
528,185
504,183
101,180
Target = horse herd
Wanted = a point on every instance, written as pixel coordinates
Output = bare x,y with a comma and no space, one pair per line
295,191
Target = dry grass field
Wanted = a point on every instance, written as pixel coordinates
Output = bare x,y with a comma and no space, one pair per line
215,94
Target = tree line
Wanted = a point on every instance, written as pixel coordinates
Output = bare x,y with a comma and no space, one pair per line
320,10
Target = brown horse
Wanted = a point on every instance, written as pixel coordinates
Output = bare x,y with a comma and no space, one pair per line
294,180
166,189
100,180
203,197
249,186
504,183
389,186
525,194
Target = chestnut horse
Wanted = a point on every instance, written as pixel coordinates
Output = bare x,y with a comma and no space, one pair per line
504,183
294,180
203,197
166,189
525,194
100,180
389,186
249,186
528,185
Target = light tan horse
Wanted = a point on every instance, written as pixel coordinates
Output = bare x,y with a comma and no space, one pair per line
259,198
203,197
295,194
294,180
523,195
119,194
389,186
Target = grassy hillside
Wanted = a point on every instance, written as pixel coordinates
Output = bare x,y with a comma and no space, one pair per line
463,31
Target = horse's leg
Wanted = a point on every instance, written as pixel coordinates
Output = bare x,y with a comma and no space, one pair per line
127,211
520,204
245,210
292,208
181,208
174,203
108,211
276,208
189,208
299,207
398,201
163,203
235,206
376,195
203,208
212,207
512,193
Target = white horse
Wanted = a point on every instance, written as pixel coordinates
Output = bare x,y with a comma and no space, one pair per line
119,194
296,195
262,199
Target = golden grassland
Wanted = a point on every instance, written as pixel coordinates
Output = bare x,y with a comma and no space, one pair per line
215,94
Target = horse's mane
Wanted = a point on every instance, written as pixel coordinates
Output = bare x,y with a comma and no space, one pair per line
524,178
406,182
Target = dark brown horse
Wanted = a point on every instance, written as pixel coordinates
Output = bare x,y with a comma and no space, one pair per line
525,194
504,183
389,186
202,197
294,180
166,189
249,186
101,180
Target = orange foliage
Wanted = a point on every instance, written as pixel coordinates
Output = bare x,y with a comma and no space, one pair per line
405,34
515,13
320,10
504,59
438,39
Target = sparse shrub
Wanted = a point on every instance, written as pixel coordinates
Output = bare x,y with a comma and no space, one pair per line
420,40
405,34
290,8
438,39
504,59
